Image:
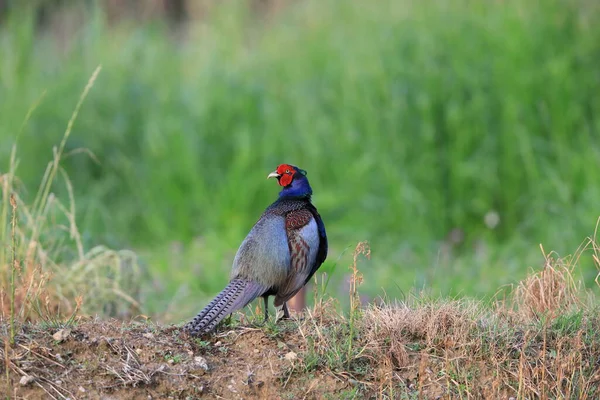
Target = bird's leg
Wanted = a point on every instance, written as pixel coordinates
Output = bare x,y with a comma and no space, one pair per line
266,299
282,312
279,313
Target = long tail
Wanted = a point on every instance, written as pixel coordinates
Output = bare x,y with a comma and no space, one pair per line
237,294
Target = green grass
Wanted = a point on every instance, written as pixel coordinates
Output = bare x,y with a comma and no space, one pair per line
411,120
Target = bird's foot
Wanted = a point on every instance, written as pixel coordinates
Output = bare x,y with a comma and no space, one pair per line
280,313
283,314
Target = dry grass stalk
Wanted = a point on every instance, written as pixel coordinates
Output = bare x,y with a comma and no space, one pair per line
41,265
596,252
356,279
130,371
550,291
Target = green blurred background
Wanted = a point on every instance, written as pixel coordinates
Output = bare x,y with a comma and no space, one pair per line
455,136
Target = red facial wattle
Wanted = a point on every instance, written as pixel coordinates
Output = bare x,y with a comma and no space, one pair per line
287,174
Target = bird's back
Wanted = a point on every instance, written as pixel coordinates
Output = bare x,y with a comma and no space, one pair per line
264,256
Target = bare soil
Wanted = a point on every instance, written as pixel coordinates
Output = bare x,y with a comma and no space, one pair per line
129,360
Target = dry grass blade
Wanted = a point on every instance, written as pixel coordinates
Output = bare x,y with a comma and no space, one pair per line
131,371
42,197
596,252
14,267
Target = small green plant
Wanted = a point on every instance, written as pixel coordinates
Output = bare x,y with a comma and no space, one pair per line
52,317
173,358
203,344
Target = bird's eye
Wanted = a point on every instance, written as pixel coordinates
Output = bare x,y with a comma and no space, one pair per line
287,171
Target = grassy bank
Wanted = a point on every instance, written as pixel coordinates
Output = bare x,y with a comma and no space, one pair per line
540,341
454,137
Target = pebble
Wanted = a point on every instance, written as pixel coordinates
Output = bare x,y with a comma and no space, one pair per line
201,362
61,335
26,380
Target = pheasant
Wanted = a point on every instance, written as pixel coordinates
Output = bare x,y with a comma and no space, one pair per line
280,254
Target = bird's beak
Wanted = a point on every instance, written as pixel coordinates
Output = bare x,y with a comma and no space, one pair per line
273,174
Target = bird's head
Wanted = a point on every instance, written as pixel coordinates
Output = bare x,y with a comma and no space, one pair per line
293,180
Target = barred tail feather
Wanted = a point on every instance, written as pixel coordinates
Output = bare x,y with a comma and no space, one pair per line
236,295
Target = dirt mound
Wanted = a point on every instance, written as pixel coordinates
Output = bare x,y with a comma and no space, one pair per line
113,359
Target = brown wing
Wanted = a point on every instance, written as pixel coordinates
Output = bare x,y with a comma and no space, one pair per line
303,242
